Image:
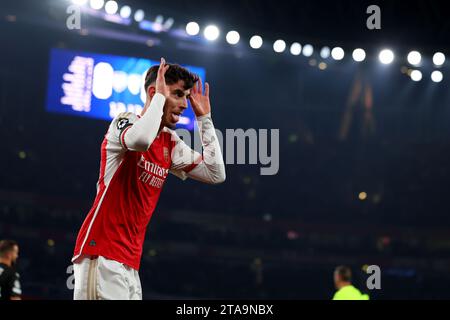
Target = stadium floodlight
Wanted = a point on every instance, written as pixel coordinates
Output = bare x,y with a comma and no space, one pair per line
97,4
256,42
279,46
438,58
168,23
325,52
414,58
337,53
111,7
139,15
192,28
125,12
437,76
211,33
359,55
308,50
233,37
296,48
386,56
416,75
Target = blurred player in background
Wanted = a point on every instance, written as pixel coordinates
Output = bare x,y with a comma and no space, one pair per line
344,287
137,154
9,279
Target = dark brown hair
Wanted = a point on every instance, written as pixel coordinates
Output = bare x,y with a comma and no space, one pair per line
345,273
7,246
173,75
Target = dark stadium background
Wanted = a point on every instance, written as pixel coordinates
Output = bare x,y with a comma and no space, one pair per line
274,237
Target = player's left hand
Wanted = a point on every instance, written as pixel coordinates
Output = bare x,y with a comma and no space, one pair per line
199,101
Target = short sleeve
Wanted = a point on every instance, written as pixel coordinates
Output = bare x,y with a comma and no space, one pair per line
16,289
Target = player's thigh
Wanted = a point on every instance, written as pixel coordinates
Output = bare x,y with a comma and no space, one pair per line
111,282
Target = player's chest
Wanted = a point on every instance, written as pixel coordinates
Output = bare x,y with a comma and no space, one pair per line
154,164
160,151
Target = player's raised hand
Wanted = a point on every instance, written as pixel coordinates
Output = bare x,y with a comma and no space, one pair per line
199,101
161,86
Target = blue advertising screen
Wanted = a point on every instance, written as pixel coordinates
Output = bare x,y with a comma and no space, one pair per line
102,86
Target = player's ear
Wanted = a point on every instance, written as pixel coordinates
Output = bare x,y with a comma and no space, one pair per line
151,91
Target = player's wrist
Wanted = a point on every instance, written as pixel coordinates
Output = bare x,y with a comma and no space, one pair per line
159,96
162,92
203,116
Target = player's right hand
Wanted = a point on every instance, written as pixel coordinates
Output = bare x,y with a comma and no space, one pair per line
161,86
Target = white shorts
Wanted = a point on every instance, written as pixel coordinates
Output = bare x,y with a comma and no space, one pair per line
103,279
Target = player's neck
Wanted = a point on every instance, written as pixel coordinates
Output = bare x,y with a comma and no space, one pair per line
343,284
144,110
5,261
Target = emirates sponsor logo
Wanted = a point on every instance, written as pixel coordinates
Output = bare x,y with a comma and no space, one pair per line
153,175
153,168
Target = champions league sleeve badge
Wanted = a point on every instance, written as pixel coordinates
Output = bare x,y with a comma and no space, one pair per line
122,123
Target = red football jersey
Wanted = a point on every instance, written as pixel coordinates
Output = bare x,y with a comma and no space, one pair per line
128,189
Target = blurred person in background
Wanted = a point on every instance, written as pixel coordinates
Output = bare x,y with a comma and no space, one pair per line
9,279
344,287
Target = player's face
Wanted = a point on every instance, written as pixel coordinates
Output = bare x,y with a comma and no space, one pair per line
14,254
175,104
336,279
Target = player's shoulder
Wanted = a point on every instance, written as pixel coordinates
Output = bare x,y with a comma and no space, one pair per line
126,115
340,294
5,266
6,270
124,119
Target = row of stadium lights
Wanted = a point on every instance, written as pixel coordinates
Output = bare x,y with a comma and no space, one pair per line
111,7
212,33
386,56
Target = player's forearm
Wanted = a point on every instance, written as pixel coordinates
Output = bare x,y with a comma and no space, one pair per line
212,168
141,134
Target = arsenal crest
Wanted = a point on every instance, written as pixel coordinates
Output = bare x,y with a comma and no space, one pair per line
166,154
